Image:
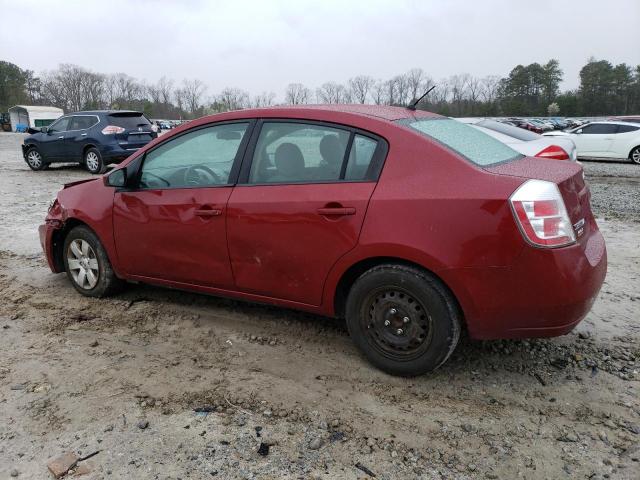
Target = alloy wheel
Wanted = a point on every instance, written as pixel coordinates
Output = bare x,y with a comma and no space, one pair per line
397,324
92,161
635,156
83,264
34,158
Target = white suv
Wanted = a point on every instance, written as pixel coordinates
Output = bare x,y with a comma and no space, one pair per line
607,140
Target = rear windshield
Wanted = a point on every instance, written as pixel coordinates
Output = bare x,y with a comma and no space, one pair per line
509,130
471,143
128,120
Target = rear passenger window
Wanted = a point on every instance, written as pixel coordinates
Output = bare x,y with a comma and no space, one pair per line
288,152
360,158
82,122
627,128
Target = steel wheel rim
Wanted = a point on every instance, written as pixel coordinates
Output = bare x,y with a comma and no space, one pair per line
635,155
396,324
34,158
83,264
92,161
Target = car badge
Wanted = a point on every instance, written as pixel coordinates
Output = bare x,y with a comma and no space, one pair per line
579,227
139,129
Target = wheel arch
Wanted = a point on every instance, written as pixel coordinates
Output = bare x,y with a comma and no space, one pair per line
631,151
86,148
59,237
351,274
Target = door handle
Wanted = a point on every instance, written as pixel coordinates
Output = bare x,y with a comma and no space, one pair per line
83,134
337,211
61,138
208,212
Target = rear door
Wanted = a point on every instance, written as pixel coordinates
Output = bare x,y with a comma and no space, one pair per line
172,224
299,206
76,136
623,140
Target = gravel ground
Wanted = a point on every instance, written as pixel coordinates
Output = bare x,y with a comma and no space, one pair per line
169,385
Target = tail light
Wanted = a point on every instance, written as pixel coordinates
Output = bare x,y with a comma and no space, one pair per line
112,129
553,152
541,214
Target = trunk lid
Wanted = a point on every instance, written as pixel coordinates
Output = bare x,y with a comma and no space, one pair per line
569,177
138,130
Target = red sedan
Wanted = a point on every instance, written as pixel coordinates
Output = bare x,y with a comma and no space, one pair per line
410,225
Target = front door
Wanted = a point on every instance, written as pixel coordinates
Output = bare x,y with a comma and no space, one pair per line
77,135
172,225
595,139
52,144
300,209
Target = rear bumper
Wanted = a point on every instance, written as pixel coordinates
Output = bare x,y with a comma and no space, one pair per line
545,293
115,153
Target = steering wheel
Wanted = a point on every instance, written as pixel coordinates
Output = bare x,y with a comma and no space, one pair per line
201,175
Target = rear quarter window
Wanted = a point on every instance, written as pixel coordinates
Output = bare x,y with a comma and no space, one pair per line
471,143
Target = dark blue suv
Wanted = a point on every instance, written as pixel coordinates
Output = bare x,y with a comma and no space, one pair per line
94,139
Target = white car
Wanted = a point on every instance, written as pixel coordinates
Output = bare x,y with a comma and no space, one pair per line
523,141
606,140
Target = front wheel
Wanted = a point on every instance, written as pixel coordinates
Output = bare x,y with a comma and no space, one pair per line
93,161
87,264
35,160
634,156
403,319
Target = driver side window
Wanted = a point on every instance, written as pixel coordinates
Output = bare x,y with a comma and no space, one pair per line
201,158
61,125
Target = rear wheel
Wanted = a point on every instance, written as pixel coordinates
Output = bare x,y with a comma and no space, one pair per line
403,319
35,160
93,161
87,264
634,156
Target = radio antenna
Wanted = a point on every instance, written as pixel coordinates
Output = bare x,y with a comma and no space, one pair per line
413,105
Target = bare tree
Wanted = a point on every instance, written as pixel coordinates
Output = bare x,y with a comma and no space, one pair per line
331,92
402,90
474,89
359,88
489,88
296,94
415,83
73,88
233,99
193,90
378,92
264,99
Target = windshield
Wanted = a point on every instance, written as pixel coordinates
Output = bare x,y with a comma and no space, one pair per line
471,143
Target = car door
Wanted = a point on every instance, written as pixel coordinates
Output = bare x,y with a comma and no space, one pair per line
625,139
299,206
595,139
76,137
171,224
52,146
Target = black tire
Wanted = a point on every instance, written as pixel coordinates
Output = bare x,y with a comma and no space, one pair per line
106,282
35,160
634,155
93,161
394,293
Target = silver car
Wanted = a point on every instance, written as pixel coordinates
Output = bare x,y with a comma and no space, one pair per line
526,142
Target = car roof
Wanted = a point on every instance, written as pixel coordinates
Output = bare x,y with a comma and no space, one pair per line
383,112
103,112
614,122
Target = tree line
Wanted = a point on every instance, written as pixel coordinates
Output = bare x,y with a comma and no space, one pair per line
528,90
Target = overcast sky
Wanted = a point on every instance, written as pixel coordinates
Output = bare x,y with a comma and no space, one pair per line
264,45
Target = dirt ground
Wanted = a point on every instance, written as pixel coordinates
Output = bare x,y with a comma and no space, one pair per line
166,384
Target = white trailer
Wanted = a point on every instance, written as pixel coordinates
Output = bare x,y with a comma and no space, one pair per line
33,116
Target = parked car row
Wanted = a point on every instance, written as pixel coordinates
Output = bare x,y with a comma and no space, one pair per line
541,125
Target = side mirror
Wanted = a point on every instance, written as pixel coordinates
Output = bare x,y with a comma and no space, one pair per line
579,131
44,129
117,178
